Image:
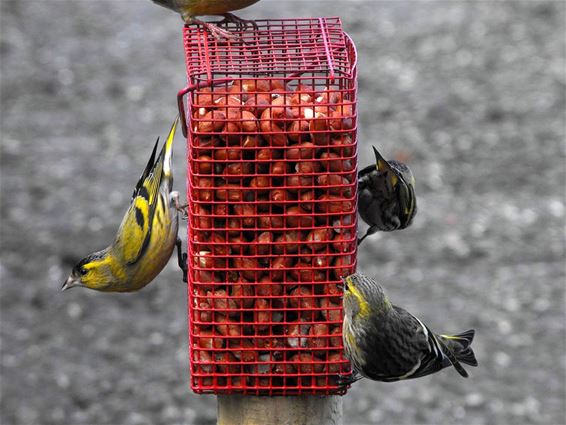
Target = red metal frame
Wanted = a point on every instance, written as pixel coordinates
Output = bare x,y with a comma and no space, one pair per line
272,189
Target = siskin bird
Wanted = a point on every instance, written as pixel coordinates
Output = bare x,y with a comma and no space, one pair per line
387,343
146,238
386,196
188,9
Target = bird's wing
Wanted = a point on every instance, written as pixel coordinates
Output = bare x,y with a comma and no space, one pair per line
407,202
432,358
437,357
135,230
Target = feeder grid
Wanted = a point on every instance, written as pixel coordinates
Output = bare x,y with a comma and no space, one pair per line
272,188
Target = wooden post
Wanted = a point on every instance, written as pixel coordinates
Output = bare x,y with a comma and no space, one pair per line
299,410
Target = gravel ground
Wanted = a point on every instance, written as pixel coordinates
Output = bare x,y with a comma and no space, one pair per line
471,94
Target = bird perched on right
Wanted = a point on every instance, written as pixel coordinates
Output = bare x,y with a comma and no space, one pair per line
386,196
188,9
387,343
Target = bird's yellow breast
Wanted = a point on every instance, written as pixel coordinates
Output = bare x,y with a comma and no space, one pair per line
211,7
132,277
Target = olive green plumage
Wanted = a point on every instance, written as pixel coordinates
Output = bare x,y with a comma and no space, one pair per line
146,237
386,196
387,343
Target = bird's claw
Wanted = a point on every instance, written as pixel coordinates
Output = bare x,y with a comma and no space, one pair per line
182,259
369,232
243,24
218,33
344,380
183,209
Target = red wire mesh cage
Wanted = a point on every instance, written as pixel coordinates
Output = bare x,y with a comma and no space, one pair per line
272,189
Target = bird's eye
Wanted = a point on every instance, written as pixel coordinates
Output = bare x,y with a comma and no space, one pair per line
83,271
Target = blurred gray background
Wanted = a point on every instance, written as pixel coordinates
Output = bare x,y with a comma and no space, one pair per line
470,94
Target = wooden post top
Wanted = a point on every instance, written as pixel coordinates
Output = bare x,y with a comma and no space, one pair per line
299,410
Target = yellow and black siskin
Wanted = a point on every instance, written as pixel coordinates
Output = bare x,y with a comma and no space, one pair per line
387,343
146,238
386,196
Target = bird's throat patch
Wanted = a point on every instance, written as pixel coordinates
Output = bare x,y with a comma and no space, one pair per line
364,306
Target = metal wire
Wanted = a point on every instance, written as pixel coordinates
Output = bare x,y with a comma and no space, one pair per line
272,189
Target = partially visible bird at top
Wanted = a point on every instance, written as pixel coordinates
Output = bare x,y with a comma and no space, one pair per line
386,196
387,343
146,238
189,9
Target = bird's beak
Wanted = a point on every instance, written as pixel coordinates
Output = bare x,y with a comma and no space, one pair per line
69,283
344,284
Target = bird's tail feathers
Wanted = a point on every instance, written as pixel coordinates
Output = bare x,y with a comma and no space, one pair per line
460,345
167,151
468,357
465,338
147,170
452,357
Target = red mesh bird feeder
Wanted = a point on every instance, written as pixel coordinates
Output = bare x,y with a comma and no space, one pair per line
270,121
